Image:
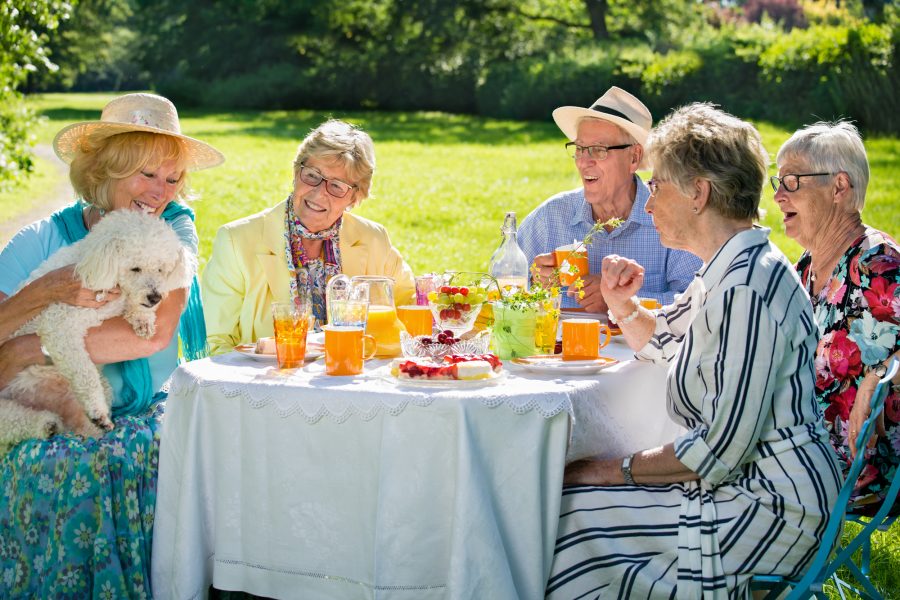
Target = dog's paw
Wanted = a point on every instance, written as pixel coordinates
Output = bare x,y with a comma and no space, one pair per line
50,425
103,423
144,328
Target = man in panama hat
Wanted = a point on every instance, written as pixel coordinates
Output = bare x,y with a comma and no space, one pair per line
607,142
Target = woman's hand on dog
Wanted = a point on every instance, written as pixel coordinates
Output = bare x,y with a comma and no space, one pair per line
62,285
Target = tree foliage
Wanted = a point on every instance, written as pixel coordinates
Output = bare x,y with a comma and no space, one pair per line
24,27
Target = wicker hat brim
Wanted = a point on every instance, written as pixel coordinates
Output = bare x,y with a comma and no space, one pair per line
200,154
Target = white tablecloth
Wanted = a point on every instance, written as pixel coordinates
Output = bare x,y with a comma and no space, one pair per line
310,486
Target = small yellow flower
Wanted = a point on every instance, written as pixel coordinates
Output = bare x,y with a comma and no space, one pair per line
579,284
580,294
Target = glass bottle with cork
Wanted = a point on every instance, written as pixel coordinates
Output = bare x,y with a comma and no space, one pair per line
509,265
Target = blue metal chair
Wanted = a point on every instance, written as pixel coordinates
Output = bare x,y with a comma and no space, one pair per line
825,567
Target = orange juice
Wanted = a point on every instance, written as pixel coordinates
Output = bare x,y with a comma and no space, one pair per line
485,317
416,319
572,265
581,339
383,324
290,337
345,349
650,303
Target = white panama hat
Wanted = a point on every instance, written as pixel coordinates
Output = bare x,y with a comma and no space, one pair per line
616,106
136,112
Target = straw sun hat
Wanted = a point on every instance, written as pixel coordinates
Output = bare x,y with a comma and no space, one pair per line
136,112
616,106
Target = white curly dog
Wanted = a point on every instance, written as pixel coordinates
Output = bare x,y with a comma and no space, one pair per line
142,256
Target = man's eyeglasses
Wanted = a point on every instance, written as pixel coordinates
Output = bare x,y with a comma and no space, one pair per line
791,181
334,187
595,152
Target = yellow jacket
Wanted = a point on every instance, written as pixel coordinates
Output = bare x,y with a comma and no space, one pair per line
248,271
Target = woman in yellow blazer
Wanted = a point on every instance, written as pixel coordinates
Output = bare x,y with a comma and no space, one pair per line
297,245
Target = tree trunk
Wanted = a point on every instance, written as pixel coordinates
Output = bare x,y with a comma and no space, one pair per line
597,12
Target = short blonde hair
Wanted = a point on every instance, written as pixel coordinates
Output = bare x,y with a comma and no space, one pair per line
345,144
699,141
99,163
831,148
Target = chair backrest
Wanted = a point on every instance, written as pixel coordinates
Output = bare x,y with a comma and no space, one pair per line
821,568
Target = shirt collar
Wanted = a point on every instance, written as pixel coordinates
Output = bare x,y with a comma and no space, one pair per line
713,271
637,216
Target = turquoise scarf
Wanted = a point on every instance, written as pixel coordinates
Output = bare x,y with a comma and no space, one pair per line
137,394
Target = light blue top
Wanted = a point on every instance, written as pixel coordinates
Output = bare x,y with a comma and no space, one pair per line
567,216
36,242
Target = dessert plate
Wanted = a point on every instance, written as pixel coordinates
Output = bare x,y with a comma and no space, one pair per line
313,351
447,383
553,364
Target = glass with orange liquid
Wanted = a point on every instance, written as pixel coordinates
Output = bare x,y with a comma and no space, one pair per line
572,261
383,324
291,320
416,319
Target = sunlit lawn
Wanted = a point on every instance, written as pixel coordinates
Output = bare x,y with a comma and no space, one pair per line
442,186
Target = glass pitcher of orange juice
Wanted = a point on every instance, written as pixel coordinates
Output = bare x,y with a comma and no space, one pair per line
382,322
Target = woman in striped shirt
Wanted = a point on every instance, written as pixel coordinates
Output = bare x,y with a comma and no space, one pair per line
747,490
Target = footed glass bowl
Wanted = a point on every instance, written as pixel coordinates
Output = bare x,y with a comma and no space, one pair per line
429,347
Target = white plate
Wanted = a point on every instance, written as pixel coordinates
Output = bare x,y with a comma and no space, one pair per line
313,351
555,365
448,383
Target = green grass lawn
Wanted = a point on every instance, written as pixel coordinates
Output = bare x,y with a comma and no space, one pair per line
442,185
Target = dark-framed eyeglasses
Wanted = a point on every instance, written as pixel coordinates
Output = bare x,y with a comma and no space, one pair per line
791,181
595,152
335,187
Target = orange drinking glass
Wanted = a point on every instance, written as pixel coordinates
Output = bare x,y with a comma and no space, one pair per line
416,319
581,339
572,264
650,303
345,349
291,322
383,324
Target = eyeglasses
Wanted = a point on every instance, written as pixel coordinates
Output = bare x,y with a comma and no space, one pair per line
334,187
653,186
791,181
595,152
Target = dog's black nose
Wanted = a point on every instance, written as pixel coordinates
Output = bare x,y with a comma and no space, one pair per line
153,298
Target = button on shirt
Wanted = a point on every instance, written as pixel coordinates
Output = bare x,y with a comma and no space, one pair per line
567,216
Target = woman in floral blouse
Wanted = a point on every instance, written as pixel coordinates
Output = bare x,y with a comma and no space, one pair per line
852,273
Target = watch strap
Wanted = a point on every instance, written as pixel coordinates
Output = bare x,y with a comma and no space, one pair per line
626,469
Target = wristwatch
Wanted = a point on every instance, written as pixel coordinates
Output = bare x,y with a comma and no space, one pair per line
626,469
880,370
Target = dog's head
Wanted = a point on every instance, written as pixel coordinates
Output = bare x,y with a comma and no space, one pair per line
141,254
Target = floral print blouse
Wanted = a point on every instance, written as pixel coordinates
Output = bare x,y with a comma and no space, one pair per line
858,314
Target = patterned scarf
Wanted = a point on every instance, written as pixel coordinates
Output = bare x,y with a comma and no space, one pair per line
310,275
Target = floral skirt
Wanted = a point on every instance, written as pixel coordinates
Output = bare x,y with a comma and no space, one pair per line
76,514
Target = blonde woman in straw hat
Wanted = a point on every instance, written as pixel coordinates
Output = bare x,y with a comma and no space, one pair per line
607,142
76,513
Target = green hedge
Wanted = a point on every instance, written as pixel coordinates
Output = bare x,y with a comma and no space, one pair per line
759,71
824,72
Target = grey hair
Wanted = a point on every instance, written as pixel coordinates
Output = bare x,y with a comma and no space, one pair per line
699,141
831,147
348,145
